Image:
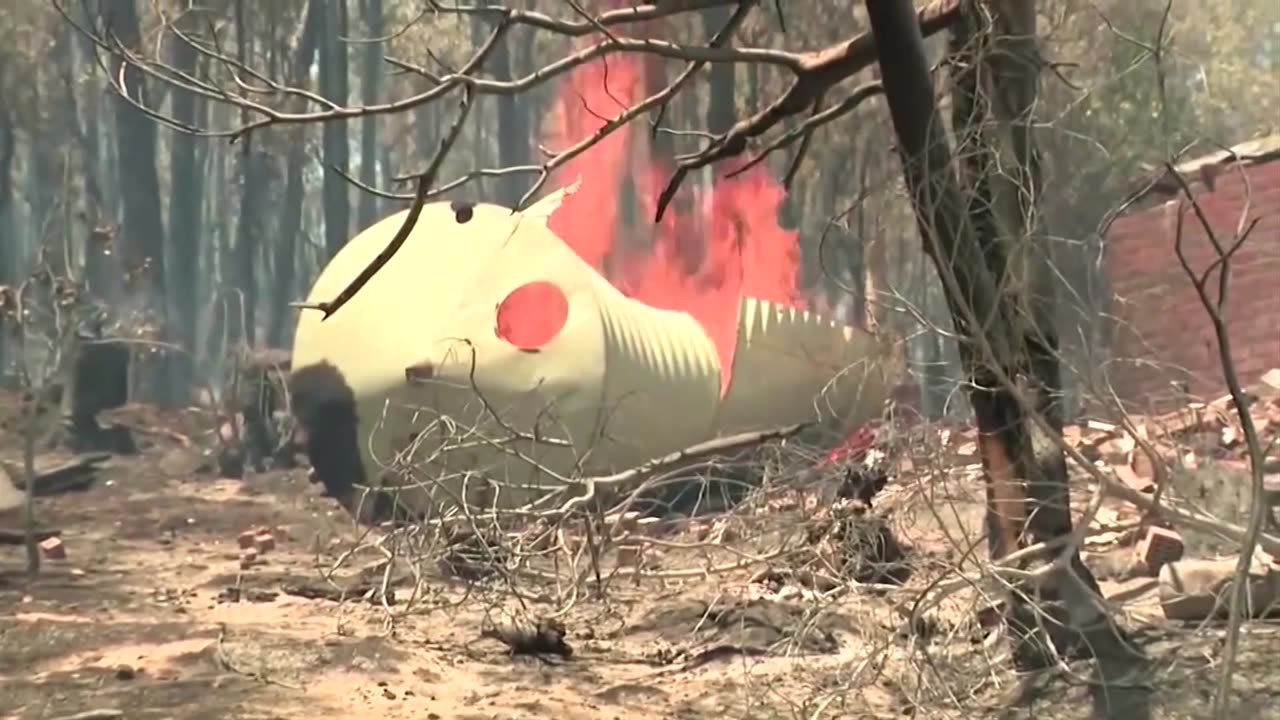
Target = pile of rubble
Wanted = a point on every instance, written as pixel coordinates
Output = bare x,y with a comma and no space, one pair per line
1198,454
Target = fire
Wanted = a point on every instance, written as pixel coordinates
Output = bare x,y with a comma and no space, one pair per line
713,246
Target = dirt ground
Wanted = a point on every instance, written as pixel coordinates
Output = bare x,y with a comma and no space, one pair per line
150,615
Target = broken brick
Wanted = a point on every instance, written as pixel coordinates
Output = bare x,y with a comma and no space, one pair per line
1126,475
1196,589
1142,466
246,539
630,555
648,526
264,542
248,558
623,523
53,548
1158,547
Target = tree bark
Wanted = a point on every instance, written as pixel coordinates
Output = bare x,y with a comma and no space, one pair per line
186,217
47,165
514,140
143,231
334,86
142,235
721,101
370,90
285,258
242,325
1026,474
8,150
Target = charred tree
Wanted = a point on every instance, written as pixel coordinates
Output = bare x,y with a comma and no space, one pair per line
142,244
46,160
249,225
334,86
142,232
285,248
186,215
8,150
426,121
86,119
721,101
370,89
513,122
1008,355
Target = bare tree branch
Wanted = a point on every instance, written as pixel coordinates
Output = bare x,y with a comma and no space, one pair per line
410,220
818,72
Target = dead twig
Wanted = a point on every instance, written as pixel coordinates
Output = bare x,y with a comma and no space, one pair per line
410,220
225,660
93,715
1215,308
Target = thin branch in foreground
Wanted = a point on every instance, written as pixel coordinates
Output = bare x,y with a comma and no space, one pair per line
591,485
1215,308
817,74
658,99
804,131
410,221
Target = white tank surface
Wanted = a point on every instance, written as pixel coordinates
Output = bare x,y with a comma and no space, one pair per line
487,362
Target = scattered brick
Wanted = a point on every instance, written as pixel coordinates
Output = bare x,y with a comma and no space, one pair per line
1159,546
649,526
630,555
264,542
54,549
246,539
248,558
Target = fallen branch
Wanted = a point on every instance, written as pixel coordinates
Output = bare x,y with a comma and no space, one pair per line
19,537
628,480
410,219
76,475
816,73
1215,308
93,715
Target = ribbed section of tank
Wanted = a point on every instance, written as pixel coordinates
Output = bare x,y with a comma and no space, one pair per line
662,381
795,366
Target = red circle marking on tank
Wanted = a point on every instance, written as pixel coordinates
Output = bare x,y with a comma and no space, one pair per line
532,315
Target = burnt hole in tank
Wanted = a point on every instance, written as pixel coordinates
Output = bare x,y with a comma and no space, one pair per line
420,372
325,408
462,211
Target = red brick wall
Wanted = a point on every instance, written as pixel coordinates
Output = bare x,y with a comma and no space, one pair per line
1162,334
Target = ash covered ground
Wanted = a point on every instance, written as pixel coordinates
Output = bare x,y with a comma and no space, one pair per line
153,614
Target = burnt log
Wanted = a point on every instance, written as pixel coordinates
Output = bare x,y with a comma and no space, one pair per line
257,431
97,379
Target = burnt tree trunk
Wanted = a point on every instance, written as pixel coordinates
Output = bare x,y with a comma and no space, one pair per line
426,121
249,225
82,110
8,150
47,161
334,86
85,123
1001,344
721,102
186,217
142,233
513,124
285,258
370,89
